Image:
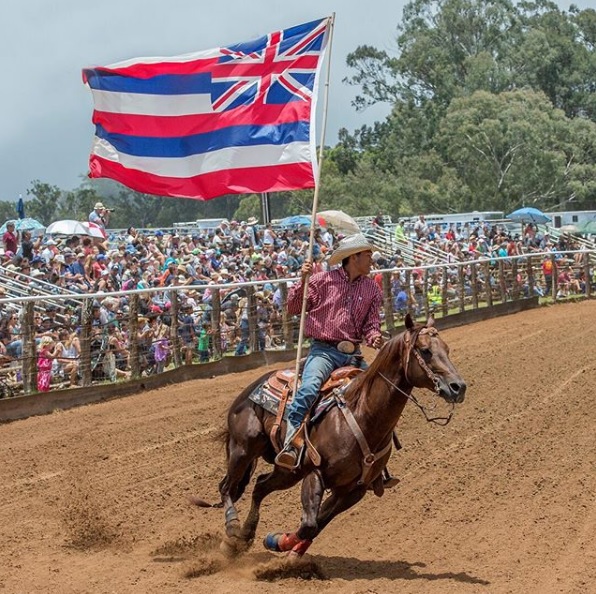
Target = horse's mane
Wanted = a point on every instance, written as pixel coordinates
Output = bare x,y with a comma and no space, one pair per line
389,357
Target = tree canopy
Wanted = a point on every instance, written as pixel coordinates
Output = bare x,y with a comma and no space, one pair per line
493,105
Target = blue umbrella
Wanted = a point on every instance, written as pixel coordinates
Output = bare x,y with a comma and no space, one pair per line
528,214
23,225
295,221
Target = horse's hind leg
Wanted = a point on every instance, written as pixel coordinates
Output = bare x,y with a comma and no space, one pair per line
276,480
240,468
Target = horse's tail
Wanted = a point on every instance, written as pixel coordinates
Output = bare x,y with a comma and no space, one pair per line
223,437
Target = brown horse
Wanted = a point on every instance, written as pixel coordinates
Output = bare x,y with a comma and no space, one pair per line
353,439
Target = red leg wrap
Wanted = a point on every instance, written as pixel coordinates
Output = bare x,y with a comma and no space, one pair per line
301,548
288,541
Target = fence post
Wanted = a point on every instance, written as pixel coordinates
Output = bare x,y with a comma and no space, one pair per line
462,288
133,332
444,296
488,289
474,281
515,284
388,303
85,341
554,279
252,319
587,278
531,278
409,291
216,322
29,352
287,322
174,328
425,294
502,282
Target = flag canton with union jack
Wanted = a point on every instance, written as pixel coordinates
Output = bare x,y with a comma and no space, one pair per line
275,69
234,119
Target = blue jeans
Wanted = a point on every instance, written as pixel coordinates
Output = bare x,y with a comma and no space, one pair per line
321,361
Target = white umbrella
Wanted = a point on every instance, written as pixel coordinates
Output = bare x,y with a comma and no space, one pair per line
67,227
339,220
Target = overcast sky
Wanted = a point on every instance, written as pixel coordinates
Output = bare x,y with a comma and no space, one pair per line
45,110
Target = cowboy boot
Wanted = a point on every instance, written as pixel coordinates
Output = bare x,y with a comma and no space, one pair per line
289,456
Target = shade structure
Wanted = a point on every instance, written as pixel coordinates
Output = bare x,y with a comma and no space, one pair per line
339,220
588,228
67,227
528,214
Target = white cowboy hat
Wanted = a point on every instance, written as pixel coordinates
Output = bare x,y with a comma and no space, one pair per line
252,221
354,244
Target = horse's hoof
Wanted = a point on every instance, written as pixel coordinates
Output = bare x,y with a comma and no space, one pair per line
231,548
233,529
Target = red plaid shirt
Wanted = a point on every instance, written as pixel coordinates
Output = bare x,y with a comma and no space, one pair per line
338,309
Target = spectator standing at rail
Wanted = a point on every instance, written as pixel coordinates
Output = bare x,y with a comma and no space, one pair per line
420,227
400,232
44,363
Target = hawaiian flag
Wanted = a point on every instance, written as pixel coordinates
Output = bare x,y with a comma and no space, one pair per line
231,120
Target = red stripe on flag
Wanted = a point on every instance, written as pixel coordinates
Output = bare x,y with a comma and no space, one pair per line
174,126
295,176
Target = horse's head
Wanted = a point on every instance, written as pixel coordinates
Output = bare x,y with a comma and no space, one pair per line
427,364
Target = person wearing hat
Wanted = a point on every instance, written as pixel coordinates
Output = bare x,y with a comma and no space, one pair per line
343,308
100,216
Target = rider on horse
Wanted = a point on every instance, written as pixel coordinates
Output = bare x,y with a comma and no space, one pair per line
343,308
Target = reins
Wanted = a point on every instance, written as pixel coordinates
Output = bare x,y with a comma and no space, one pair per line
410,348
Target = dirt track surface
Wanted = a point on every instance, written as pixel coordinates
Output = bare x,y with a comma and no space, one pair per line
501,500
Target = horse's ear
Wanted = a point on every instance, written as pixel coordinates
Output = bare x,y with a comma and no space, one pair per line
430,322
409,322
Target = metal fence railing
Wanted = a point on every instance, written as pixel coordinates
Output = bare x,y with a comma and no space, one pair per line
109,337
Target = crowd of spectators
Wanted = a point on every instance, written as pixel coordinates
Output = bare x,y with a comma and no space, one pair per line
193,261
190,262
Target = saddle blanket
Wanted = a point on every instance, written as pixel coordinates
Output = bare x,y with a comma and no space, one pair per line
268,399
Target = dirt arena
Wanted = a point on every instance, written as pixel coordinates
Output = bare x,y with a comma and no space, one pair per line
502,500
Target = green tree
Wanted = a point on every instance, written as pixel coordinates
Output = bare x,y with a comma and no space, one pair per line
515,148
44,202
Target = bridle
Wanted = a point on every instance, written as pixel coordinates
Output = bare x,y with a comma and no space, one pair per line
409,348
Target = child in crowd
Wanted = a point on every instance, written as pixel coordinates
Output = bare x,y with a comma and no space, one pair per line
44,363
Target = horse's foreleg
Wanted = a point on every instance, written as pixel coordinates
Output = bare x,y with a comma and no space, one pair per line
337,503
297,543
277,480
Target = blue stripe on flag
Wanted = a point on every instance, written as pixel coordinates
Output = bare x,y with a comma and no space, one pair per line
234,136
163,84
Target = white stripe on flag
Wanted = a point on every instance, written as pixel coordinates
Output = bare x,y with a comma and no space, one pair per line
228,158
200,55
157,105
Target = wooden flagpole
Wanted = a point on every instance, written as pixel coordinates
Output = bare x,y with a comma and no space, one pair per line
315,204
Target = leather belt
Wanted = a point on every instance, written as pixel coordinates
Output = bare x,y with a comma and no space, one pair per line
343,346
